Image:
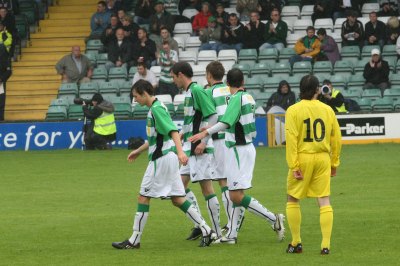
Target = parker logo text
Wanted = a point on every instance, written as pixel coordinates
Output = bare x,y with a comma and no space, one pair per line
374,126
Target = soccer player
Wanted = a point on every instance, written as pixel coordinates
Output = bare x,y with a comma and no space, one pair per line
313,144
220,94
240,130
199,111
161,179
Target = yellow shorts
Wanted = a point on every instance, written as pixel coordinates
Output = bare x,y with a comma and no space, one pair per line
316,169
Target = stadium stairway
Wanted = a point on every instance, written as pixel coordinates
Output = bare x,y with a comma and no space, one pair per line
34,82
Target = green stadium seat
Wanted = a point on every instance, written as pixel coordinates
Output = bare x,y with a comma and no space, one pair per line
294,81
117,73
68,97
338,81
372,94
60,102
365,104
269,55
392,93
389,50
248,56
68,88
22,25
102,59
356,80
245,68
125,88
303,67
99,74
360,65
30,10
282,69
322,76
271,84
396,105
255,83
92,57
366,50
260,70
56,113
94,45
140,112
322,67
285,54
351,94
394,79
351,53
392,61
382,105
122,110
343,67
86,90
132,72
110,88
75,112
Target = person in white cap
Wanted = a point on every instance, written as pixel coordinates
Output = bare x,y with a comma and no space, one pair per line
376,72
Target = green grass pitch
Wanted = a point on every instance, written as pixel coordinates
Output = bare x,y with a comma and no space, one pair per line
66,207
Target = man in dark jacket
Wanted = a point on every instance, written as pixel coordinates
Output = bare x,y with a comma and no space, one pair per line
160,18
376,72
144,50
119,51
283,97
375,31
232,36
109,33
102,129
5,73
254,32
352,30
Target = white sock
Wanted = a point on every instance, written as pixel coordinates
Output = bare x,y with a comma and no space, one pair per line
228,204
259,210
138,226
213,212
191,197
196,218
236,218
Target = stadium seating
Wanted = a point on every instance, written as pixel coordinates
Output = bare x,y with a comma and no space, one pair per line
248,56
269,55
365,104
344,68
285,54
109,88
75,112
260,70
255,83
389,50
307,11
94,45
132,72
356,80
368,8
68,88
57,112
326,23
392,93
322,67
351,94
372,94
301,25
302,67
60,102
189,12
282,68
228,58
182,29
117,73
99,74
125,88
382,105
271,84
366,50
192,43
101,59
291,11
86,90
245,68
351,53
140,112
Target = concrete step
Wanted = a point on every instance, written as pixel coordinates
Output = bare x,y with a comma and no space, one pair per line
63,42
59,35
76,3
73,29
84,22
28,93
71,16
24,100
42,56
29,86
26,63
58,49
25,115
34,71
35,78
72,9
27,107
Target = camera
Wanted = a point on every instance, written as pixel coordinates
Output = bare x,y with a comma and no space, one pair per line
325,90
80,101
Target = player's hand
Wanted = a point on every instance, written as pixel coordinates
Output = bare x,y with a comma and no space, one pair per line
133,155
183,159
333,171
200,148
298,175
197,137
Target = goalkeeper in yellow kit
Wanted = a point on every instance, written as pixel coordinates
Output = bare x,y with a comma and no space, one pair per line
313,144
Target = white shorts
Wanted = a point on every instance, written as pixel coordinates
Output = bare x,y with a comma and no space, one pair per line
201,167
239,166
162,178
185,169
220,151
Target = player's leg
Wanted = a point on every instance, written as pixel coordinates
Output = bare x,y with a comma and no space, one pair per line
293,214
192,214
326,223
138,225
212,205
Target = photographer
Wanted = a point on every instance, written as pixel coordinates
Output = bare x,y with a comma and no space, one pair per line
332,97
102,129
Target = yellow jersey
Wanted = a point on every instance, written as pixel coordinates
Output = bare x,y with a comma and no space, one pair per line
311,127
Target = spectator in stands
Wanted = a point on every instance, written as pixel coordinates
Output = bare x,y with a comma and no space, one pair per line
144,50
166,37
221,15
232,35
275,32
119,51
11,5
166,59
210,37
376,72
265,8
245,7
143,11
342,7
322,9
146,74
332,97
375,31
99,21
130,28
388,8
121,14
6,39
352,30
102,130
5,73
109,32
254,32
200,21
113,6
392,30
306,48
283,97
189,4
161,18
8,20
75,67
329,48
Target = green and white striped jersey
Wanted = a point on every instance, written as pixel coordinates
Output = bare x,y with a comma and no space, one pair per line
240,118
220,95
158,129
197,107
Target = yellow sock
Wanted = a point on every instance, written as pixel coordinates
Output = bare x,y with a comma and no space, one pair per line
293,215
326,222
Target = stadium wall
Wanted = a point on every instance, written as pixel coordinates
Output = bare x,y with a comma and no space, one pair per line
68,135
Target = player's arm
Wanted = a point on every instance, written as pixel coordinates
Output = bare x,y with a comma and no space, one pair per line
292,134
336,145
212,130
135,153
177,140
